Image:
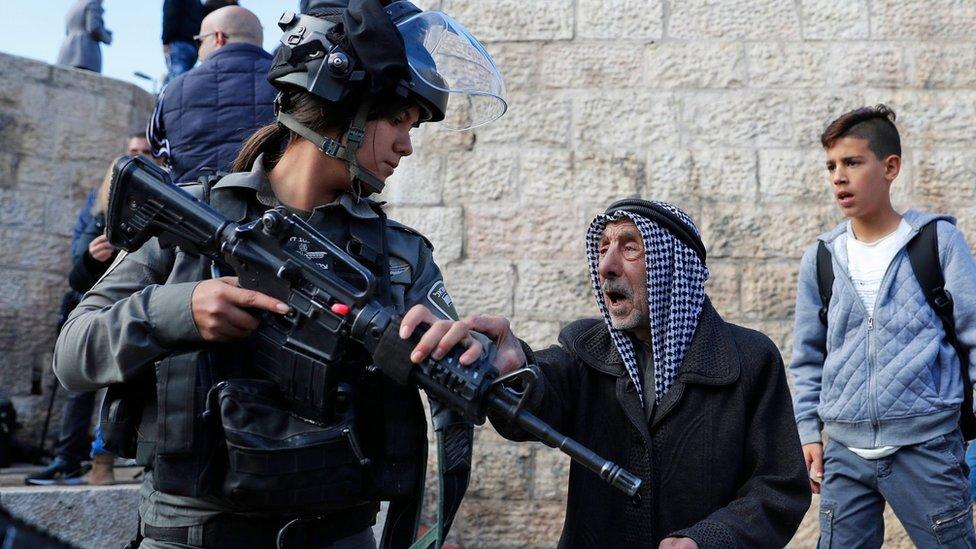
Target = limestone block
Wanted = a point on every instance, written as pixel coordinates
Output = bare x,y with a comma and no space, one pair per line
939,65
602,178
834,19
512,20
626,120
736,119
734,232
29,249
946,174
88,517
677,175
532,119
512,232
624,20
20,68
590,65
936,117
813,110
546,177
536,333
501,471
811,64
794,174
418,180
481,287
22,208
554,290
923,19
769,288
724,286
518,63
485,175
505,524
742,19
551,480
9,162
444,226
694,64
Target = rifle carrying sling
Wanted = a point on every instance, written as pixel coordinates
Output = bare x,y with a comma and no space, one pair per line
923,254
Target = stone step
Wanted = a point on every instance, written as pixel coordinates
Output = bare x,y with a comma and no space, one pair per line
90,517
94,517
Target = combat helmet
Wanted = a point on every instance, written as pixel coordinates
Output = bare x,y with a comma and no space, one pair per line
361,50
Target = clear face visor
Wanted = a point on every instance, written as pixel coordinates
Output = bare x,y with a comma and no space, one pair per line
446,57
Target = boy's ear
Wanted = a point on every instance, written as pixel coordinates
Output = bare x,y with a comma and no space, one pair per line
892,166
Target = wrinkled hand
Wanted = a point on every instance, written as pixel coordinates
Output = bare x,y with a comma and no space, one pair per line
101,249
219,308
678,543
443,335
813,456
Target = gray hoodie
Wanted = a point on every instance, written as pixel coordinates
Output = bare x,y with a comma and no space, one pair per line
886,377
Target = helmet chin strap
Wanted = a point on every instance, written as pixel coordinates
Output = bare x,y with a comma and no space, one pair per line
361,179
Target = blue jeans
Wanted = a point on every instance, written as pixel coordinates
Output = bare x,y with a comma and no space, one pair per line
926,484
971,462
181,58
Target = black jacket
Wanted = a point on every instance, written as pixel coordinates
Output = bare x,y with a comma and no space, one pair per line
181,20
85,269
720,457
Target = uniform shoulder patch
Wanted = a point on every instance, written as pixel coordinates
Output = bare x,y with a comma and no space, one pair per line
441,300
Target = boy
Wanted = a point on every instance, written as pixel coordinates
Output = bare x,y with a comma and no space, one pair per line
874,367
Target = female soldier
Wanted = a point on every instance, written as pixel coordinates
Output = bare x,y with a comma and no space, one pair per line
246,443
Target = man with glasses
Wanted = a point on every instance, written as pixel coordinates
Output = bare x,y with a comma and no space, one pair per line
202,116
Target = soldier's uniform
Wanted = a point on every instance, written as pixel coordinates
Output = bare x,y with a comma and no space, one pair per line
139,314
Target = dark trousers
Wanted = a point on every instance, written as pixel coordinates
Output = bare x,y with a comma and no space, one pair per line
74,444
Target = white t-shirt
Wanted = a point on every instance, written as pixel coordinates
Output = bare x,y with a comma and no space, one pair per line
867,264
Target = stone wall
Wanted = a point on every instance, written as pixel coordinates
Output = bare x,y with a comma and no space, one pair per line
713,105
59,131
716,106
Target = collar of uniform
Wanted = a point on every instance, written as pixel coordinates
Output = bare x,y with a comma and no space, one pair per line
257,180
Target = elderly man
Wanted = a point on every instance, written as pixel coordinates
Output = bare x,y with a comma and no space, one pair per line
697,407
202,116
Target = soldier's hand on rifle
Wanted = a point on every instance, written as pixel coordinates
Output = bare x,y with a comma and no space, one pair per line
443,335
220,309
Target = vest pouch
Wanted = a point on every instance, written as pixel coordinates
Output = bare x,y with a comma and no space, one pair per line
184,462
119,417
280,461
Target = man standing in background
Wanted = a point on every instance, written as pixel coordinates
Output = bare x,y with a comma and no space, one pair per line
202,117
181,20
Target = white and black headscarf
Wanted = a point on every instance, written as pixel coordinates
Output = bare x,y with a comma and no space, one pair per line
676,273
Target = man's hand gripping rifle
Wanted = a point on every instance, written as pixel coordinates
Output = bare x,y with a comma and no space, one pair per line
326,305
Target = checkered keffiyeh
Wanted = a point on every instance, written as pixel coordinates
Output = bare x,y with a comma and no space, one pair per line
675,293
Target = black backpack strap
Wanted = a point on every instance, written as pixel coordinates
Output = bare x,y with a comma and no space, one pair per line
825,279
923,253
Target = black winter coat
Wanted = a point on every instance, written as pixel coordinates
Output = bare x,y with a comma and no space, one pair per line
720,456
85,269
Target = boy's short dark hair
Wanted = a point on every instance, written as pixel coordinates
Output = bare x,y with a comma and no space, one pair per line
876,124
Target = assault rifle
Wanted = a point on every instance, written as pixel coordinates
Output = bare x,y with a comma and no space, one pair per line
326,306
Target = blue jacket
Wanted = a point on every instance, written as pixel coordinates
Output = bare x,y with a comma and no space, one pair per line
887,376
204,115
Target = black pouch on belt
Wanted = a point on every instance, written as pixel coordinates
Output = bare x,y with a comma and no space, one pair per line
278,460
185,462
